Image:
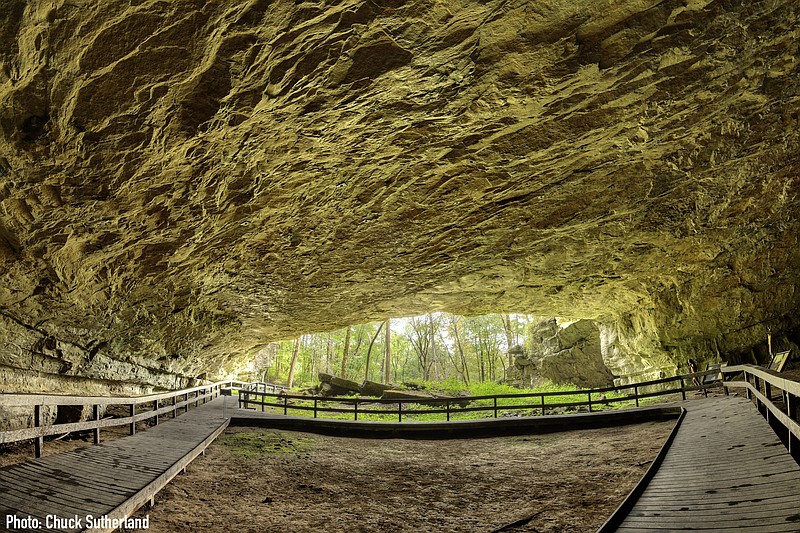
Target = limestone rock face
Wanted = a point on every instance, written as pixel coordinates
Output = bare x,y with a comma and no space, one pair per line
182,182
569,353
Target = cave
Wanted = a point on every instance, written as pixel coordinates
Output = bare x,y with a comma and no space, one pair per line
184,182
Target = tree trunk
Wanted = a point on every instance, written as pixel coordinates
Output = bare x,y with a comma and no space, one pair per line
460,348
345,352
314,357
509,338
432,345
387,362
369,352
294,361
329,353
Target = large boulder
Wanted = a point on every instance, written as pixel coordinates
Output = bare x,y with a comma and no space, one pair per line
372,388
569,353
336,386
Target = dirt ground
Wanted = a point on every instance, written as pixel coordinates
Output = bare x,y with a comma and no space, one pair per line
259,480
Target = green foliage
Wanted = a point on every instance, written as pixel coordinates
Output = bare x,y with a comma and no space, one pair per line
439,347
451,386
567,399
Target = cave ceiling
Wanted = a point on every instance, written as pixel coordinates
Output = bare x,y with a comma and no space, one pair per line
183,181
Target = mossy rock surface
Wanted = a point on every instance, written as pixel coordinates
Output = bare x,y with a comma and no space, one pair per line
183,182
253,445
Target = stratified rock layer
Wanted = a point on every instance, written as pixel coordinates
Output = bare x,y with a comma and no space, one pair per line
565,353
183,181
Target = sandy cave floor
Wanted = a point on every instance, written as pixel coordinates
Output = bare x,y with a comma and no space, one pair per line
257,480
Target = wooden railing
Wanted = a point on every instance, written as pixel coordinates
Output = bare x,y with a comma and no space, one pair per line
261,386
160,404
775,397
450,406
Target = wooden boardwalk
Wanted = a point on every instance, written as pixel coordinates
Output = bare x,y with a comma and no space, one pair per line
111,479
726,471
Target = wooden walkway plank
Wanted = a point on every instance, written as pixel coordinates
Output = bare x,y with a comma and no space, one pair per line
81,477
725,471
703,515
756,503
110,479
788,528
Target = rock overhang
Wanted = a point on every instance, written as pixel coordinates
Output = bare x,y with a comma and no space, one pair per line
182,182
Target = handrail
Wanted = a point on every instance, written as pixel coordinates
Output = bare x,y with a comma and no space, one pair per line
450,405
257,385
193,395
28,399
760,391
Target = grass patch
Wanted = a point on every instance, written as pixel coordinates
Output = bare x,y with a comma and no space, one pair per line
254,445
560,399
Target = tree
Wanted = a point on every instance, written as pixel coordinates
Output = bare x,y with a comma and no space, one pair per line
484,334
387,362
329,353
417,332
463,368
433,346
294,361
344,353
509,338
369,351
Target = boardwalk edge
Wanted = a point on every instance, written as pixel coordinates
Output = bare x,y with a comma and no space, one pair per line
618,516
133,503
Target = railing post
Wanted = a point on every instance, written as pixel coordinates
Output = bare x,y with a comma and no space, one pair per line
262,402
757,385
175,406
133,422
355,410
315,408
768,394
96,416
155,408
590,401
791,411
541,396
495,406
38,442
399,411
196,397
636,395
683,389
448,410
285,404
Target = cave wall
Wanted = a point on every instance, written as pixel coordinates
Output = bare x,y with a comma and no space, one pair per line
568,353
182,182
